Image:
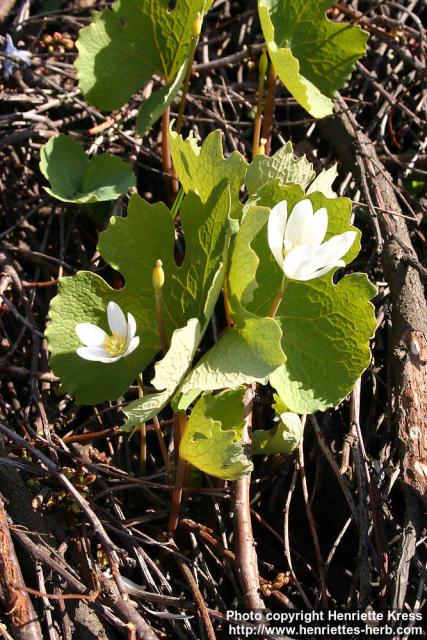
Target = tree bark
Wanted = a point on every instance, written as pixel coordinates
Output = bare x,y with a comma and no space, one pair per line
404,274
20,611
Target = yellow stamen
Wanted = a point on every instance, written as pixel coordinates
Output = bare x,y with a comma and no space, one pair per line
115,344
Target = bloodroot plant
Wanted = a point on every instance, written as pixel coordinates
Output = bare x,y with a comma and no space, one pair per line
267,241
273,257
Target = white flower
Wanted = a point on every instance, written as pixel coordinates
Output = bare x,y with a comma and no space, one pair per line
296,243
101,347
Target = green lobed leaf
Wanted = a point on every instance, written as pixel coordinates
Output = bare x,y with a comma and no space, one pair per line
74,177
132,245
152,108
126,45
326,327
283,438
326,333
248,352
148,234
171,369
212,439
283,165
323,182
202,168
278,405
312,56
169,372
244,262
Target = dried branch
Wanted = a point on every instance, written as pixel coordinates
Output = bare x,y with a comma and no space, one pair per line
20,611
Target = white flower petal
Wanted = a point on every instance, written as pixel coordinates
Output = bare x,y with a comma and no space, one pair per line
313,275
132,346
299,264
96,354
276,230
334,249
321,272
116,319
131,328
298,229
319,226
90,335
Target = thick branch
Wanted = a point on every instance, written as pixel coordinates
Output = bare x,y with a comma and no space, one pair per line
409,307
20,611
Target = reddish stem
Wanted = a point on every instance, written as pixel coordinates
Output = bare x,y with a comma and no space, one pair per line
170,180
270,103
258,117
181,424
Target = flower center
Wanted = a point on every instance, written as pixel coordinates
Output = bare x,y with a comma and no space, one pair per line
115,344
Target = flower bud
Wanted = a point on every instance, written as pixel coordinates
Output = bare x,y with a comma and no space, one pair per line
158,278
261,148
263,64
197,25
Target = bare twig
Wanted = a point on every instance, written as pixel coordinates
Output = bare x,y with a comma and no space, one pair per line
287,508
198,598
320,563
93,518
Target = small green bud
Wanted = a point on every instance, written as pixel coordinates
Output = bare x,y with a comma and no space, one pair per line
261,148
158,278
263,64
197,25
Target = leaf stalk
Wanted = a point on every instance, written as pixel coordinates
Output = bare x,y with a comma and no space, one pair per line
278,298
142,432
170,180
181,467
270,103
262,67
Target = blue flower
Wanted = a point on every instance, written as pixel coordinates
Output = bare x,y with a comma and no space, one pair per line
17,55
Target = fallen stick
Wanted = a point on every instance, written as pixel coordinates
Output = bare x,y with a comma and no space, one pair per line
22,617
408,349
